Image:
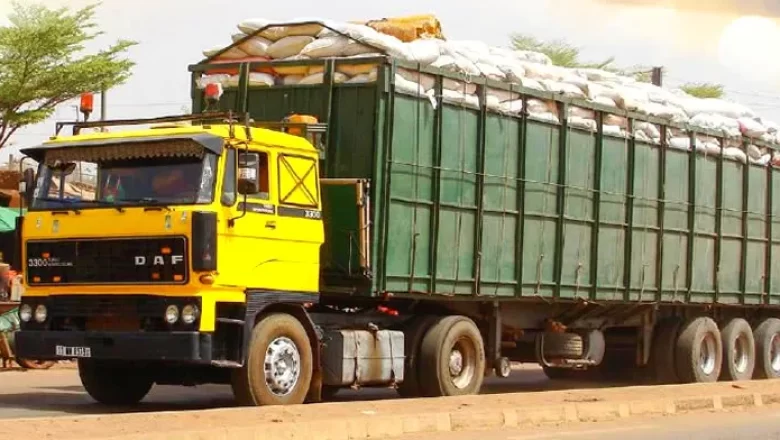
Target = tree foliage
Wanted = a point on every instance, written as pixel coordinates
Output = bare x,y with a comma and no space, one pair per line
563,53
43,63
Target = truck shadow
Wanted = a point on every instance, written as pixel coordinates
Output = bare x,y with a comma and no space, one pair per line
70,398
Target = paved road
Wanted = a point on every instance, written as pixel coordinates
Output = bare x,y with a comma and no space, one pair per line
755,425
59,392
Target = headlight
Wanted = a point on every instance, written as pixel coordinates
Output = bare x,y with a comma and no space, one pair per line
25,313
40,313
171,314
189,313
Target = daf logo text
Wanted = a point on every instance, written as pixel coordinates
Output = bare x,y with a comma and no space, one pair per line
158,260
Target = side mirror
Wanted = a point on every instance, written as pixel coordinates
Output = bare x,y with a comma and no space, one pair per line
248,181
27,186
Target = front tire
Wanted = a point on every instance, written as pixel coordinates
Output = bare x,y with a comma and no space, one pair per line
113,383
452,358
278,367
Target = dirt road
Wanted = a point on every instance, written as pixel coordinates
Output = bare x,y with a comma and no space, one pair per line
59,392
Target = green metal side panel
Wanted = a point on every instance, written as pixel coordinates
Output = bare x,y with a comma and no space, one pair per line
644,259
703,282
500,240
755,257
612,232
409,220
541,189
578,214
472,203
675,241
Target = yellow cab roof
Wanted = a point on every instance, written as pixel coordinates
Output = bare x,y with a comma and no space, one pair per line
260,136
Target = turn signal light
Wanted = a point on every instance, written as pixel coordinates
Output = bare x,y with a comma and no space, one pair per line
207,278
165,251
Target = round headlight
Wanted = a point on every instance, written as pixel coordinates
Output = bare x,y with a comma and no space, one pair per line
189,313
171,314
40,313
25,313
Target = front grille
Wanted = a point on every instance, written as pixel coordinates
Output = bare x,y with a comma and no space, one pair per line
158,260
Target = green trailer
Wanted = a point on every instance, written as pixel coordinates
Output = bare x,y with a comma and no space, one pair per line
575,248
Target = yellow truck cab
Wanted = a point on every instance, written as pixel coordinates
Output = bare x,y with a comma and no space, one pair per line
189,233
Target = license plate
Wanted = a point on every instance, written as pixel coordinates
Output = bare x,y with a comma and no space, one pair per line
73,352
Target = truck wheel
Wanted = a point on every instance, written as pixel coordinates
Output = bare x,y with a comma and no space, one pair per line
662,353
699,351
739,351
413,335
452,358
278,367
113,384
563,345
767,337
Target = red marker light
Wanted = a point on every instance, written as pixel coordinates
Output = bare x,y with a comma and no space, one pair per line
213,91
87,102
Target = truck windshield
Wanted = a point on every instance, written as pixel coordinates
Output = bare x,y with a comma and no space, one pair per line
124,180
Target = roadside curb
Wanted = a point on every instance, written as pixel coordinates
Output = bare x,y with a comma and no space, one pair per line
377,427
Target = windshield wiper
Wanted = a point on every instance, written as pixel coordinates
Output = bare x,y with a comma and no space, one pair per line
150,200
107,203
68,202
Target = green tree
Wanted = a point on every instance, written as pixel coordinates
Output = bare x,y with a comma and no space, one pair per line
563,53
43,63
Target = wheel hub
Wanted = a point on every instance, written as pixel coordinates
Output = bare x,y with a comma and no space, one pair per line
740,358
774,352
456,362
707,353
282,366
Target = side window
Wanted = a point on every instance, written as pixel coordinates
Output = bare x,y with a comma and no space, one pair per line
229,181
298,181
253,175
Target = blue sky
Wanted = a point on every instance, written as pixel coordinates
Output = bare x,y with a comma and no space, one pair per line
722,44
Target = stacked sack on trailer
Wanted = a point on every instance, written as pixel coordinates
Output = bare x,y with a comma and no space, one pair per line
423,43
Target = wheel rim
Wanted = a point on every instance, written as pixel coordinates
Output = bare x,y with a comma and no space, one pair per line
741,357
707,354
462,363
774,352
282,366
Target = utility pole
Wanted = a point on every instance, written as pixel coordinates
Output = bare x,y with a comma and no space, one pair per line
103,109
657,76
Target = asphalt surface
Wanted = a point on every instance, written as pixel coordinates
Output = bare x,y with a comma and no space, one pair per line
59,392
761,424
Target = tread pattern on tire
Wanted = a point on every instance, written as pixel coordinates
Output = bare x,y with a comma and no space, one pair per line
730,334
255,392
563,345
763,335
663,351
688,346
433,381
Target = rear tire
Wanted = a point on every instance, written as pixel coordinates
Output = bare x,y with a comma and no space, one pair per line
739,351
413,336
663,351
113,383
278,368
699,351
452,358
767,338
563,345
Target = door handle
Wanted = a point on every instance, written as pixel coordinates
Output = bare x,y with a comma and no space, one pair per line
270,224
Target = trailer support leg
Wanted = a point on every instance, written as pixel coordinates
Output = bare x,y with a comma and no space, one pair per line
501,365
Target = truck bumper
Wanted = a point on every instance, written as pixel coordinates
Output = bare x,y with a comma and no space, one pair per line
188,347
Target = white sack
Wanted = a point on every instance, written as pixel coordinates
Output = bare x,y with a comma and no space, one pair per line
288,46
327,47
